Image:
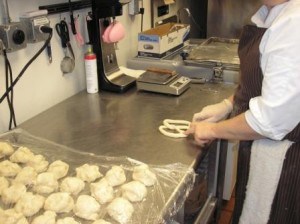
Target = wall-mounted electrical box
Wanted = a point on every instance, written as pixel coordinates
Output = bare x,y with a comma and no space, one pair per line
32,22
13,36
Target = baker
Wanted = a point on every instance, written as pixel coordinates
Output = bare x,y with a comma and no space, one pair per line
265,115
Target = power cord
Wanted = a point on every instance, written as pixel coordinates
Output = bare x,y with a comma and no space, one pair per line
190,15
10,97
9,78
142,11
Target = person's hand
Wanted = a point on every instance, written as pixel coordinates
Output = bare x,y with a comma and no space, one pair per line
215,112
203,132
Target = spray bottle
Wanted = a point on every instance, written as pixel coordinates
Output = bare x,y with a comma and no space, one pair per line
90,62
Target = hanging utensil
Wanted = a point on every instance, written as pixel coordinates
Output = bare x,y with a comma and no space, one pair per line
67,65
49,53
73,27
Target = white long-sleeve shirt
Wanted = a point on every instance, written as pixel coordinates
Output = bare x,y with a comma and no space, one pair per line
277,111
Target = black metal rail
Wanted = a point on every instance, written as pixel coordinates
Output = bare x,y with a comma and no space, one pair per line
65,7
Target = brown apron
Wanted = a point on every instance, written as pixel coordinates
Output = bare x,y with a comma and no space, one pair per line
286,203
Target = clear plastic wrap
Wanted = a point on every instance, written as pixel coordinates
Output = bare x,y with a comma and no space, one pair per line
164,199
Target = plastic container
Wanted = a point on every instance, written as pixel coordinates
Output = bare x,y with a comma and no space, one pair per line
90,62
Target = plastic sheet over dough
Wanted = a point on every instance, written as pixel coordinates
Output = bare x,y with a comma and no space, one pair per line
120,210
5,149
102,191
29,204
88,173
167,184
3,184
59,168
134,191
9,169
101,221
143,174
87,207
115,176
46,183
60,202
26,176
47,218
67,220
13,193
72,185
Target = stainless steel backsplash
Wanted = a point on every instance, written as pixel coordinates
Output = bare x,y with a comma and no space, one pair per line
226,18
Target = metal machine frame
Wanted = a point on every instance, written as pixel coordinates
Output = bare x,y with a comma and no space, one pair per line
109,75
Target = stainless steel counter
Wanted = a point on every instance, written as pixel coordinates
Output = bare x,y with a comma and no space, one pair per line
127,124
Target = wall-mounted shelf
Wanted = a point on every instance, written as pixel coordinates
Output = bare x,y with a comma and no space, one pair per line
66,7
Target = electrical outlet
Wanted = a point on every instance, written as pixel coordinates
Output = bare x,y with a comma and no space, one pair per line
13,36
133,7
32,26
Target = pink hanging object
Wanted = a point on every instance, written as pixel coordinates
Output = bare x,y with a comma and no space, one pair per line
113,33
105,34
117,33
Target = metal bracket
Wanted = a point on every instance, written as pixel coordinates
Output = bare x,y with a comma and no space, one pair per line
218,74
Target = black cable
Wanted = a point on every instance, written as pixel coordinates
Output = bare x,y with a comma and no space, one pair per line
44,29
6,86
142,11
190,15
8,81
13,115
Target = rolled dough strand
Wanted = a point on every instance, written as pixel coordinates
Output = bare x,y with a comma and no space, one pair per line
178,125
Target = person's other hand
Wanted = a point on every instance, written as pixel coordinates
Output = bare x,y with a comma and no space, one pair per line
215,112
203,132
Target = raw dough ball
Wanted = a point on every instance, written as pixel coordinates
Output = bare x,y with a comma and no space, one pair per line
144,175
87,207
9,169
47,218
134,191
26,176
5,149
3,184
46,183
60,202
22,155
39,163
67,220
120,209
115,176
10,216
72,185
102,191
59,168
88,173
12,194
29,204
101,221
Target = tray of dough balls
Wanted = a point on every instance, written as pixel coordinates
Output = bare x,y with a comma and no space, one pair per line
42,182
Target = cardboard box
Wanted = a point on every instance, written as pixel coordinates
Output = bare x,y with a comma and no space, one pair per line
162,40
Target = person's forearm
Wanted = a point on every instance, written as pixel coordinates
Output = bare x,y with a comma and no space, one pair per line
235,128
